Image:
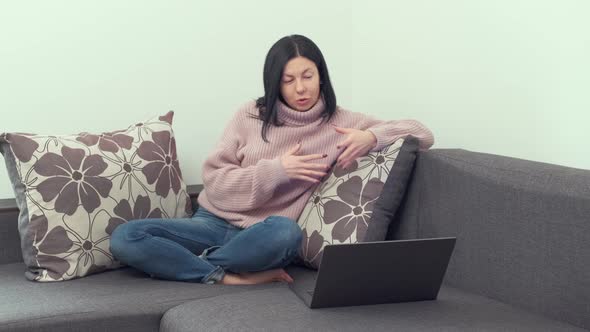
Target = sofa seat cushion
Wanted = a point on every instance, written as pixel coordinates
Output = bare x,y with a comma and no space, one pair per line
118,300
279,309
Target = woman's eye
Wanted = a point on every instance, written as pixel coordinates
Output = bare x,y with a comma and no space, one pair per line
307,77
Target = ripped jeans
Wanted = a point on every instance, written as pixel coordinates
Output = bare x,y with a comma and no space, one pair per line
201,248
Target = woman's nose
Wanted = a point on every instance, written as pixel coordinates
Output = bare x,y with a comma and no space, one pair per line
299,87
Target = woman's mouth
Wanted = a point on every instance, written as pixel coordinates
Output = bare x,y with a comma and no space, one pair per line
302,101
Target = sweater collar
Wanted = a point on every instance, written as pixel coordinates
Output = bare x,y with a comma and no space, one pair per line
297,118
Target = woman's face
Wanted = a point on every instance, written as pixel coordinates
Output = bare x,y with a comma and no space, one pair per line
300,84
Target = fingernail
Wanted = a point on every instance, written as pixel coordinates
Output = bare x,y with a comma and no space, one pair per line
324,156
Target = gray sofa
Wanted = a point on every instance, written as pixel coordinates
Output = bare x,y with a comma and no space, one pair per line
521,263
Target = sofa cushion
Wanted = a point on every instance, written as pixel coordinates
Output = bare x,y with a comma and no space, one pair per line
356,204
279,309
73,190
117,300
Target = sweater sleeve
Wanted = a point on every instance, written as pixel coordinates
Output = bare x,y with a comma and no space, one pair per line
233,188
390,131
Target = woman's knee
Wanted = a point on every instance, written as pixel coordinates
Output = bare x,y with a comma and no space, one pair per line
287,232
117,243
122,236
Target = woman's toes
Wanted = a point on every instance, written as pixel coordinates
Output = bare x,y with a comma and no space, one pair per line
286,276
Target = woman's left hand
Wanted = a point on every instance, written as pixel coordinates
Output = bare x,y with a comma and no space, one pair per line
357,144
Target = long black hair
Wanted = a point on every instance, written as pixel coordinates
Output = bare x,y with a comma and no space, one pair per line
277,57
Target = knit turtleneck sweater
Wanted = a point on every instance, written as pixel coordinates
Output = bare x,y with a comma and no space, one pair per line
244,179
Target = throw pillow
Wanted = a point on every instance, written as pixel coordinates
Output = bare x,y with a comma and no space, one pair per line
357,204
73,190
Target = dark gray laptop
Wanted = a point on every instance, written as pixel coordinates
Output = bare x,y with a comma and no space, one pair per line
375,272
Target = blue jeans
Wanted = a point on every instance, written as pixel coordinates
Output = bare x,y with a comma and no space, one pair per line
203,247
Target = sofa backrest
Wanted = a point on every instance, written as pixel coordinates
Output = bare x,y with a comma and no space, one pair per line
522,228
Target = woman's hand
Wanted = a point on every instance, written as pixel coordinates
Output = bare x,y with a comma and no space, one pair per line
357,144
298,167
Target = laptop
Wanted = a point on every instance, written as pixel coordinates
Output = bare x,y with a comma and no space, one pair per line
374,272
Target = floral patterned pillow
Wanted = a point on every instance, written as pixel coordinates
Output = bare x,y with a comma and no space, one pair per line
348,206
74,190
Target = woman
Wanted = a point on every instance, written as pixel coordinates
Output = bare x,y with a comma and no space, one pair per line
273,153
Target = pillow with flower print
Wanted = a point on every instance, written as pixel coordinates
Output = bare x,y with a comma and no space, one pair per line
356,204
74,190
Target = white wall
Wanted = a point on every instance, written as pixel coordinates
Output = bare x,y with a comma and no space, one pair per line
504,77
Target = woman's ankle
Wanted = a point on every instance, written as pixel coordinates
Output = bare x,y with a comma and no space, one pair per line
231,279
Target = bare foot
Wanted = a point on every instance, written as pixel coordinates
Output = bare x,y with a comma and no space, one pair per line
251,278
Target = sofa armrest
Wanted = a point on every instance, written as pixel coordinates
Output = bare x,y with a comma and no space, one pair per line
522,228
10,251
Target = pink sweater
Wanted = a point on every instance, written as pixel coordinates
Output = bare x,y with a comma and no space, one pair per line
244,180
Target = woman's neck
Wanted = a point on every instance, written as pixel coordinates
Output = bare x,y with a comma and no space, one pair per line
295,117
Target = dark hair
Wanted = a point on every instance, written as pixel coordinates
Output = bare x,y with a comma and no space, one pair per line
277,57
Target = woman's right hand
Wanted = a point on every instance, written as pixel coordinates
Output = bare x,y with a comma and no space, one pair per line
299,167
